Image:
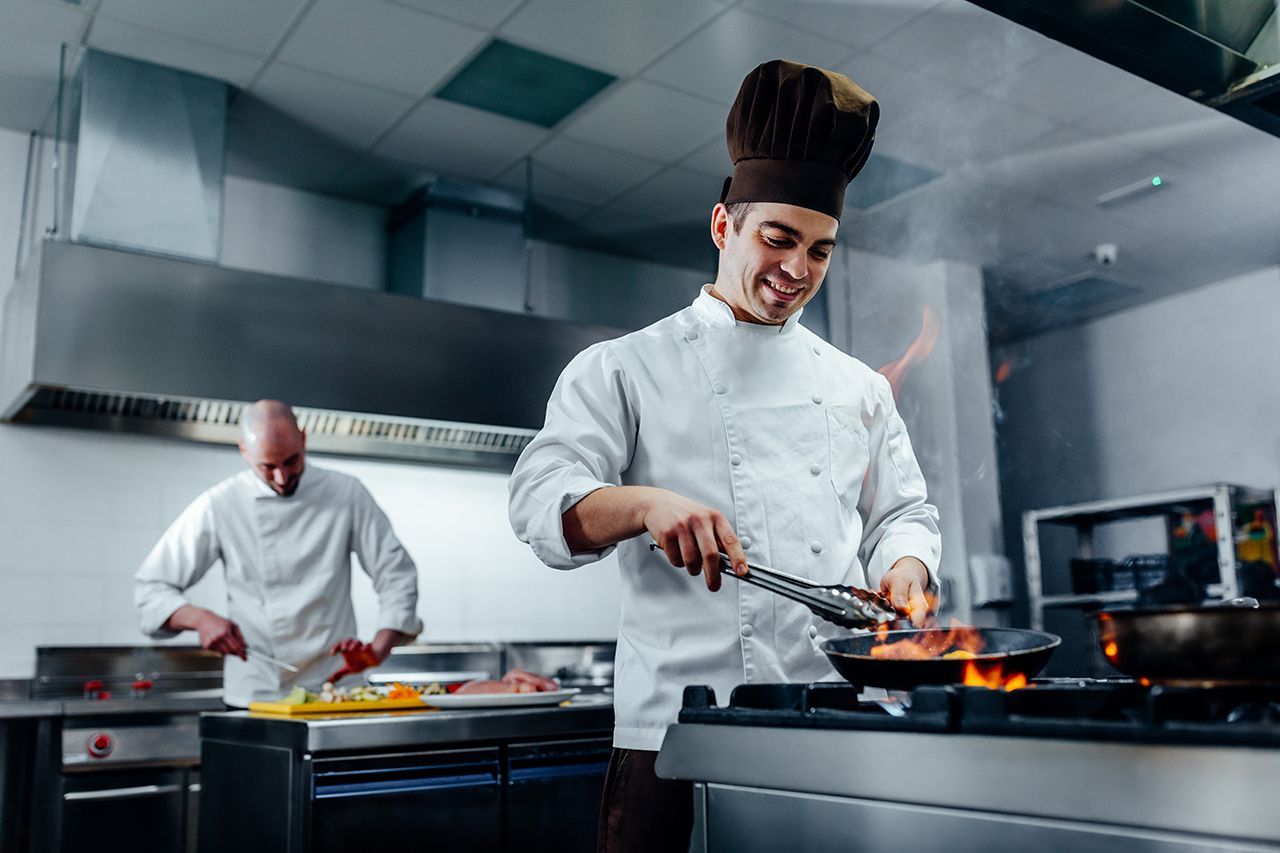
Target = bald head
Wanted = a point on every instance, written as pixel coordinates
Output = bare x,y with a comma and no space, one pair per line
272,444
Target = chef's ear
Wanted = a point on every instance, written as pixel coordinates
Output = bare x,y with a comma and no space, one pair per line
719,225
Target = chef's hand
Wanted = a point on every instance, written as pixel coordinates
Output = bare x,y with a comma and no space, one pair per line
692,536
536,683
220,635
904,585
358,657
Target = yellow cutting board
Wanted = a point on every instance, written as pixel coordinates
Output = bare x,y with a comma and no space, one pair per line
337,707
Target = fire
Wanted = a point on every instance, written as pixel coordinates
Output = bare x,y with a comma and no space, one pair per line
992,676
1111,650
917,351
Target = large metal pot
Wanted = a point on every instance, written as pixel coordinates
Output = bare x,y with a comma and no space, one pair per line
1234,642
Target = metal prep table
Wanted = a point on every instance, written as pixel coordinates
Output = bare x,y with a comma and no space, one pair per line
493,779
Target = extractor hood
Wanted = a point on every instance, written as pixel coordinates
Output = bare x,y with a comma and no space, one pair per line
110,339
131,325
1223,53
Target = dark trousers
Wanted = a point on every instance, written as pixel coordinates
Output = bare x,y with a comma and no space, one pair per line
640,813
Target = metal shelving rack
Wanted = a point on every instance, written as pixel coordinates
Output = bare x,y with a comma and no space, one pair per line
1084,517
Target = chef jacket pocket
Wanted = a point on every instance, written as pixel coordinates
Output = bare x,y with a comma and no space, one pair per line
849,454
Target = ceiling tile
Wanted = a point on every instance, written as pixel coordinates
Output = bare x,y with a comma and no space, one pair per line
714,60
244,26
381,180
486,14
711,159
355,114
24,101
460,141
1153,109
30,36
962,44
857,23
378,44
969,129
172,51
676,195
1065,85
577,170
898,89
649,121
621,36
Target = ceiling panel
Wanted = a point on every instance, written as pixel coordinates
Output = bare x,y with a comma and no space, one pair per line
460,141
485,14
649,121
1065,85
577,170
711,159
355,114
378,44
676,195
857,23
30,35
173,52
962,44
713,61
24,102
969,129
620,36
243,26
897,88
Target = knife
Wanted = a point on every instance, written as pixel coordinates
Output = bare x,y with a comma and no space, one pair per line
269,659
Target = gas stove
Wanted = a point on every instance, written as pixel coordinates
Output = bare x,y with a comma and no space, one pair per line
1065,764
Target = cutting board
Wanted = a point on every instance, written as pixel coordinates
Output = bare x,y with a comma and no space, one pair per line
337,707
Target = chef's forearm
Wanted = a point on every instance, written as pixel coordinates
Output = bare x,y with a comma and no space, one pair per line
387,639
607,516
187,618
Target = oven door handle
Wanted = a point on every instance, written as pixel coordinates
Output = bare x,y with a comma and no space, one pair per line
122,793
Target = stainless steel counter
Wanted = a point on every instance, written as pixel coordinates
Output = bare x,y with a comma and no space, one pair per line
586,713
25,709
1222,795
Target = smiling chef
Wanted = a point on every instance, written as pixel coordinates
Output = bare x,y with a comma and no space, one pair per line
729,427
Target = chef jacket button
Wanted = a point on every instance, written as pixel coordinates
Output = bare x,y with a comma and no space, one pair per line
735,459
815,546
815,469
817,398
747,630
746,542
813,630
718,388
691,335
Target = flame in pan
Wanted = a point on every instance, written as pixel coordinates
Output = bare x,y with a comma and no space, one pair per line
959,641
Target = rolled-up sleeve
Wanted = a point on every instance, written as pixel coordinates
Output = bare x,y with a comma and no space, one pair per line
178,561
899,520
387,563
585,444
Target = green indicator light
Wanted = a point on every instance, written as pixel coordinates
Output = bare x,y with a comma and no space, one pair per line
1157,181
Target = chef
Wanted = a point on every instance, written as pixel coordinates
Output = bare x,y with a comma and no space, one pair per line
285,534
729,427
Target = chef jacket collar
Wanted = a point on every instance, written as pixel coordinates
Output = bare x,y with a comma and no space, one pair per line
262,490
718,313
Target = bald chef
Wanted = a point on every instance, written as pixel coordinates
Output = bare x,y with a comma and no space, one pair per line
729,427
285,534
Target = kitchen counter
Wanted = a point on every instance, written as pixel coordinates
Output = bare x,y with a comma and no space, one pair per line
395,729
25,709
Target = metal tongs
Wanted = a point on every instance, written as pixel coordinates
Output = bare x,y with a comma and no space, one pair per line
846,606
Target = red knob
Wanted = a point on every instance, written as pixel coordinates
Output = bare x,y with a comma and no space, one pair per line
93,686
142,684
100,745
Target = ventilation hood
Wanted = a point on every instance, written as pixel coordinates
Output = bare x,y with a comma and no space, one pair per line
1225,54
131,325
109,339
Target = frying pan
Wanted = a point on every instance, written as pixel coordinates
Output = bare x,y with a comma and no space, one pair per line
1016,651
1234,642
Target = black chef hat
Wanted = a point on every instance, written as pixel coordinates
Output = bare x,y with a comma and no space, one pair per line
798,134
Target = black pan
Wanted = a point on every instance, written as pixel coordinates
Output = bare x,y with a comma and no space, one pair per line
1232,642
1016,651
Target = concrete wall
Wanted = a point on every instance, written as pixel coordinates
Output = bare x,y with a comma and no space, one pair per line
79,510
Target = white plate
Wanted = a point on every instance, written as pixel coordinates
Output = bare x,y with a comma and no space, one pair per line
497,700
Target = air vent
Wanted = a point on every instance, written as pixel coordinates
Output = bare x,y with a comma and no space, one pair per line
524,84
1078,294
343,433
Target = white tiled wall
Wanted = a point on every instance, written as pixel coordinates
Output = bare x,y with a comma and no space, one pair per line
79,510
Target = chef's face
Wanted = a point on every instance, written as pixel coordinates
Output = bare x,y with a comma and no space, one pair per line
773,260
277,456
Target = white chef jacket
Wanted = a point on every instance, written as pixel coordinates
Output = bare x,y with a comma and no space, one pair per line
287,562
798,444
